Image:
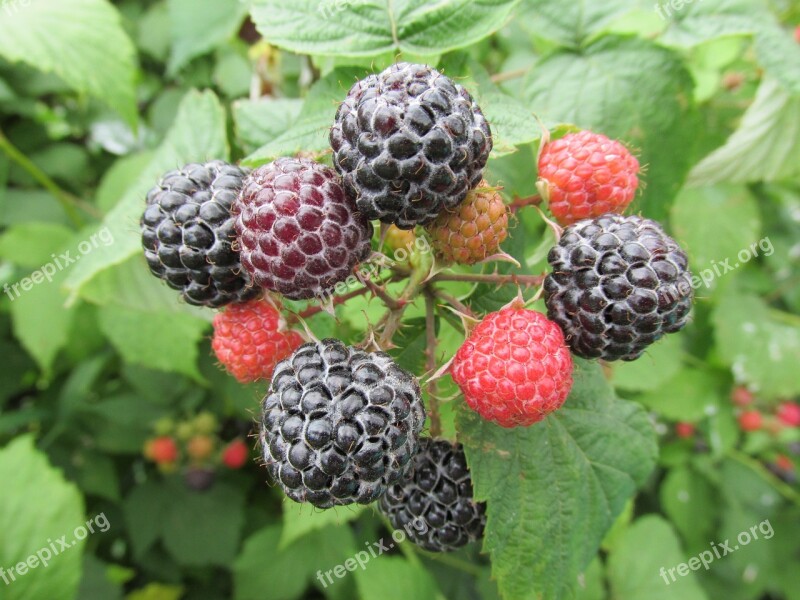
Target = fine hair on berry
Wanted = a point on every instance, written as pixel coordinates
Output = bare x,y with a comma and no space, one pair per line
340,425
434,505
617,285
188,234
514,368
409,142
299,234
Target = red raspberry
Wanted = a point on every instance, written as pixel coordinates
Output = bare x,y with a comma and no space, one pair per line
789,414
235,454
250,339
684,430
750,420
514,368
584,175
161,450
741,396
474,230
784,463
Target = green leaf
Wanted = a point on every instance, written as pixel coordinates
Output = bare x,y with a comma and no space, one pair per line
41,321
265,571
661,362
144,510
571,23
199,26
204,528
198,134
714,225
372,27
309,132
393,578
162,341
609,87
761,347
689,500
644,549
511,122
39,506
555,488
688,396
765,147
301,519
31,245
81,41
259,122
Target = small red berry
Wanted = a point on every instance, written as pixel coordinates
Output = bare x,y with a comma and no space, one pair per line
789,414
741,396
750,420
162,450
797,34
684,430
250,339
784,463
584,175
235,454
515,368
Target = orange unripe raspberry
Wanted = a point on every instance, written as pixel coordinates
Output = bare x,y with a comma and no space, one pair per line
474,230
584,175
200,447
250,339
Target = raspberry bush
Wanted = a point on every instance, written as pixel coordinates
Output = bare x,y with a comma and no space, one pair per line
364,299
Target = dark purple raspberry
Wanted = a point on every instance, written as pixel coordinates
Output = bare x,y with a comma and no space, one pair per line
188,234
299,233
617,285
340,425
409,142
434,504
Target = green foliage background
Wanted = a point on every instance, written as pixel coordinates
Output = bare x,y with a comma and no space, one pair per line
97,99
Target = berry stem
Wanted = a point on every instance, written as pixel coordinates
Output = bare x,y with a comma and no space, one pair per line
493,278
381,293
509,75
68,202
337,300
518,203
453,301
430,355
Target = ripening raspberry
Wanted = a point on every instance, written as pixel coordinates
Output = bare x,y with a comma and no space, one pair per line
515,368
789,414
750,420
235,454
250,339
584,175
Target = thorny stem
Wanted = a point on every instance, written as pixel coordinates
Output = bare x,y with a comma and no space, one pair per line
453,301
509,75
430,355
381,293
785,490
68,202
492,278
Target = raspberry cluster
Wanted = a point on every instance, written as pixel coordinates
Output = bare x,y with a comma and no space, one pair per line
340,425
